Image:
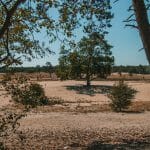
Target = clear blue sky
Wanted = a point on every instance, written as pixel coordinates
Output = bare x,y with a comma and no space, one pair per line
126,41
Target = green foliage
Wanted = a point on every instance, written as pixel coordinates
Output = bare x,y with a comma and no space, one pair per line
30,94
24,92
92,56
132,69
121,96
63,69
30,17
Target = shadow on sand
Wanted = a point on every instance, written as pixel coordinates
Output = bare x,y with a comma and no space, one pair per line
92,90
131,146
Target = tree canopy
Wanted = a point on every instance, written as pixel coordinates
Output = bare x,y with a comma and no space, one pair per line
91,58
21,19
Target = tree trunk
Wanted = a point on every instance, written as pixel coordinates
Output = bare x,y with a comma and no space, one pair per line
88,81
143,24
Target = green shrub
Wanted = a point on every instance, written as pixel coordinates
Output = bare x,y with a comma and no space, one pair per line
30,94
25,92
121,96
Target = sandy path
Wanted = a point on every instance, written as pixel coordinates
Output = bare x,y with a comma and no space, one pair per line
92,121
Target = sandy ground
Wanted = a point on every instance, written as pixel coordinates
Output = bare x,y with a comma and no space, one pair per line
5,100
60,129
59,89
93,121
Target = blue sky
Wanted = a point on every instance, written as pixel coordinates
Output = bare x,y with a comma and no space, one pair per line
126,41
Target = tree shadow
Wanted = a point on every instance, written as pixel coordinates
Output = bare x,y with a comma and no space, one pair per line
132,111
96,145
91,90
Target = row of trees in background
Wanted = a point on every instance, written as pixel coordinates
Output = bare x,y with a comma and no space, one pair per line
141,69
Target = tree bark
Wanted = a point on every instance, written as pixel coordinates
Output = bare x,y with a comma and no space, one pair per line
143,24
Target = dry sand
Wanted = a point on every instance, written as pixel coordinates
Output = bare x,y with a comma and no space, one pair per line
58,89
57,130
93,121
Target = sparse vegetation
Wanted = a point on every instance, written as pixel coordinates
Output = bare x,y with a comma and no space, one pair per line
72,114
90,59
121,96
8,125
55,100
25,92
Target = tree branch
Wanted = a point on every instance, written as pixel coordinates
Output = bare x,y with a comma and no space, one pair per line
6,47
5,6
130,20
130,16
9,15
131,25
141,49
115,1
130,8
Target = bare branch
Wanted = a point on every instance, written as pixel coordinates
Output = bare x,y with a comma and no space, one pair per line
130,16
131,25
115,1
130,8
148,6
141,49
130,20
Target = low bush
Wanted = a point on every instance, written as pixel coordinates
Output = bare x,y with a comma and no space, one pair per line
30,94
121,96
25,92
55,100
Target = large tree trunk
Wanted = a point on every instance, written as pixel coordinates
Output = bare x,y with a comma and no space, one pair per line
143,24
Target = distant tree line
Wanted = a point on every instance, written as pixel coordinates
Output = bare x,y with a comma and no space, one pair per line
141,69
38,68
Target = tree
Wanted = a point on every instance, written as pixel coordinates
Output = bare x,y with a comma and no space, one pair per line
121,96
139,19
21,19
49,68
91,57
142,20
63,69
